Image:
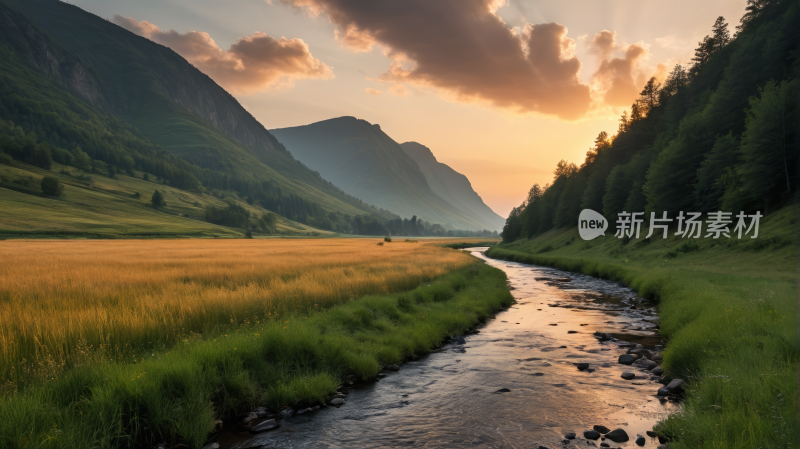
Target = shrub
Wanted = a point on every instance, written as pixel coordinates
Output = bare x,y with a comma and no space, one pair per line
52,186
380,243
248,234
387,239
137,195
158,199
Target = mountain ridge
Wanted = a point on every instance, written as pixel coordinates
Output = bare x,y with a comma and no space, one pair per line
451,185
365,162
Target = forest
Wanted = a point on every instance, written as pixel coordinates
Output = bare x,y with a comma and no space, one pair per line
716,135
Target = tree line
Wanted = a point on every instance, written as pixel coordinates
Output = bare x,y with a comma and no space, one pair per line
720,134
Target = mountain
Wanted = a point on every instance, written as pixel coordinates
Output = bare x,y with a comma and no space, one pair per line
451,185
366,163
161,99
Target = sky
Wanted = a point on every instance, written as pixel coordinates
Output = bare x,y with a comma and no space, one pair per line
499,90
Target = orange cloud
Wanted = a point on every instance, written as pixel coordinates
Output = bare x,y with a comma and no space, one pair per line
253,63
465,51
619,80
372,91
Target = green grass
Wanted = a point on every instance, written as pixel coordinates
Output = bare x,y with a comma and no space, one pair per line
175,395
728,313
108,208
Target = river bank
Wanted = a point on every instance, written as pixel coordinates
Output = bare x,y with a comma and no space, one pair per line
727,310
535,374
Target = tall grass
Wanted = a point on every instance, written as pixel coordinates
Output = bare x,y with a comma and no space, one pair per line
63,303
175,394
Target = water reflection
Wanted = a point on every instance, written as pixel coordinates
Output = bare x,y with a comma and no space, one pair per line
450,398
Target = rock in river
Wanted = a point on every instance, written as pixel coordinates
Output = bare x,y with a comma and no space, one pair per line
570,436
674,387
503,390
602,429
627,375
657,371
626,359
591,434
392,367
640,440
582,366
618,436
336,401
264,426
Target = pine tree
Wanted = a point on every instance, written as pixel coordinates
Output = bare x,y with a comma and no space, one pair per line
721,36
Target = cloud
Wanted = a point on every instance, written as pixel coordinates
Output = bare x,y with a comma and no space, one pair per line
465,51
619,79
253,63
672,43
372,91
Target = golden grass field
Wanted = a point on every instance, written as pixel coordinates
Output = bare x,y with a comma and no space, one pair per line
58,298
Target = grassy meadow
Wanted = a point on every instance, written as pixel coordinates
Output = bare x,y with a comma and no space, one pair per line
728,314
130,343
126,297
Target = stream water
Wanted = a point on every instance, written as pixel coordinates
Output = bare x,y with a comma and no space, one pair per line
450,398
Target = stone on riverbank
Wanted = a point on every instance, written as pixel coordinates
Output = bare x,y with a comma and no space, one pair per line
602,429
392,367
336,401
640,440
618,436
674,387
264,426
591,434
627,375
570,436
626,359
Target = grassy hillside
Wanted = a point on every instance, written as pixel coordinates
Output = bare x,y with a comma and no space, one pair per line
95,205
728,314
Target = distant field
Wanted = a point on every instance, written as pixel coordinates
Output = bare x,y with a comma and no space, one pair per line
63,299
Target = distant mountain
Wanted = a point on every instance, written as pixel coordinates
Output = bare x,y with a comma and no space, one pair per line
170,102
451,185
365,162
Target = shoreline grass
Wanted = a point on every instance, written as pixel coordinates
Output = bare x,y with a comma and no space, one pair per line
728,313
174,395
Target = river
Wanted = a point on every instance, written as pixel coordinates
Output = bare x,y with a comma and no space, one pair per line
450,397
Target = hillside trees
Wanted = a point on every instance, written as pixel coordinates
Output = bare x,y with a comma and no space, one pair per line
718,136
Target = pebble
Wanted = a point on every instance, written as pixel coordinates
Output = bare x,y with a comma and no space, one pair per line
640,440
264,426
286,413
336,401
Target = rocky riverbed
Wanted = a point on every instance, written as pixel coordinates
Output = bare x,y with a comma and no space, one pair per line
574,363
